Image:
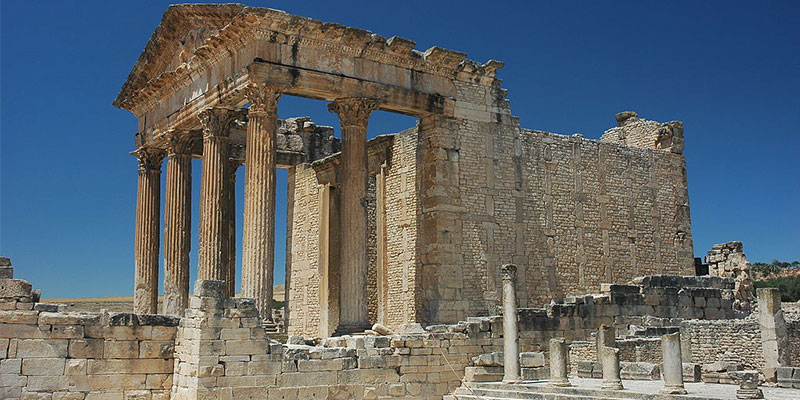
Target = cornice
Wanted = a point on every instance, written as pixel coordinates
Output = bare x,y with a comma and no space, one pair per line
142,91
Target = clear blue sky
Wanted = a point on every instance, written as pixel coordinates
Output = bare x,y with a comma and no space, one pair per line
729,70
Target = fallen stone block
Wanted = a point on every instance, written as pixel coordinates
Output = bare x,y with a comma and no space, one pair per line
640,371
531,359
494,359
535,373
483,374
692,372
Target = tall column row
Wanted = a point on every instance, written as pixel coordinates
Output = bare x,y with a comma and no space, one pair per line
216,253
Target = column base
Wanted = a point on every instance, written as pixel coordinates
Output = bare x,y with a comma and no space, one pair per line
673,390
560,383
343,330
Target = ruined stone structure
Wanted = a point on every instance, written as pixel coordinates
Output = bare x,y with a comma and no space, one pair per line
403,229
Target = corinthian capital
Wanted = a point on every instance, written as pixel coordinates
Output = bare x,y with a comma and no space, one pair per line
180,142
509,272
149,158
263,98
217,121
353,111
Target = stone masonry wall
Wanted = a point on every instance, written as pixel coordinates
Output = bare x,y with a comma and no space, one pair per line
304,296
48,354
724,340
402,200
570,212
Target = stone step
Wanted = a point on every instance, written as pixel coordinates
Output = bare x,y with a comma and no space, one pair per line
540,390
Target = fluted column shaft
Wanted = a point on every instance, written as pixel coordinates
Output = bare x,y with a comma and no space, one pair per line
148,204
213,247
354,116
258,247
230,282
177,223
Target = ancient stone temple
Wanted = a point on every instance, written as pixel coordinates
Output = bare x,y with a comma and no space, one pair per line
402,229
462,258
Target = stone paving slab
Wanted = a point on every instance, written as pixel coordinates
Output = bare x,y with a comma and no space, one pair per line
634,389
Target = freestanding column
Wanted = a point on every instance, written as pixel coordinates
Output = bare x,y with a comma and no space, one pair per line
212,260
558,362
177,223
609,360
230,192
774,335
353,115
258,255
148,204
510,332
673,364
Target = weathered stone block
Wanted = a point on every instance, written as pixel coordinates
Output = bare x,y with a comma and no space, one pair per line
40,348
43,366
531,359
121,349
86,348
483,374
494,359
19,317
209,288
11,288
640,371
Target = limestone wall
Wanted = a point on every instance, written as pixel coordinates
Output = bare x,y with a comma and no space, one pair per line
304,294
402,201
725,340
46,353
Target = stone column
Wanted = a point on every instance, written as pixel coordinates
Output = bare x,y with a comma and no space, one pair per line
672,368
213,249
148,205
558,362
510,330
230,281
774,335
258,247
353,115
609,362
177,222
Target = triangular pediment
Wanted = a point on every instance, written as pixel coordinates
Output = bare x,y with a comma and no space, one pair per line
183,29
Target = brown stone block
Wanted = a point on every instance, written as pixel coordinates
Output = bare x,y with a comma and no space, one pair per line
117,382
19,317
40,348
86,348
121,349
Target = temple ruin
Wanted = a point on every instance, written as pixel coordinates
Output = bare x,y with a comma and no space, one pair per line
409,228
464,257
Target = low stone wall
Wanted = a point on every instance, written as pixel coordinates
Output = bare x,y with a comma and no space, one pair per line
733,340
91,356
649,302
647,350
222,352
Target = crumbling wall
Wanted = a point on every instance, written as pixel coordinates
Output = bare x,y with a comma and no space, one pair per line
727,260
737,340
570,212
633,131
81,355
